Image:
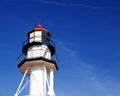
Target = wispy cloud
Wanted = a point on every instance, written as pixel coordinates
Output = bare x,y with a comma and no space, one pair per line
87,80
67,4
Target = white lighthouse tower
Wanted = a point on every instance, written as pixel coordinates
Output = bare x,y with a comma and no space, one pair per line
39,62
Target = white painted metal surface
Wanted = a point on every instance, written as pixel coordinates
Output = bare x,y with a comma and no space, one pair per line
39,51
38,84
37,81
51,87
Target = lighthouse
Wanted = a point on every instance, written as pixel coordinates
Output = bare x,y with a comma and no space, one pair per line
38,61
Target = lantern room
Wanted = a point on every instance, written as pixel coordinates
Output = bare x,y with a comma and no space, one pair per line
39,34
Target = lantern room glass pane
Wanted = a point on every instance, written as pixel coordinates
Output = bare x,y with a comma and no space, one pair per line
35,36
32,35
38,33
31,40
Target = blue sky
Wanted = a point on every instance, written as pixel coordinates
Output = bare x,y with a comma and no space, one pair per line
86,33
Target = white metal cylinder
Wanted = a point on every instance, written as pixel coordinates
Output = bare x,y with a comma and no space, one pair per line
37,85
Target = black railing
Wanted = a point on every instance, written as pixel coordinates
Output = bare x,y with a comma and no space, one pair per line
23,57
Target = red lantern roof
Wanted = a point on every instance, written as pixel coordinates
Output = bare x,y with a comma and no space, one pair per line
40,28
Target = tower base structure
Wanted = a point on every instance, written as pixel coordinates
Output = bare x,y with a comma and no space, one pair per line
41,73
